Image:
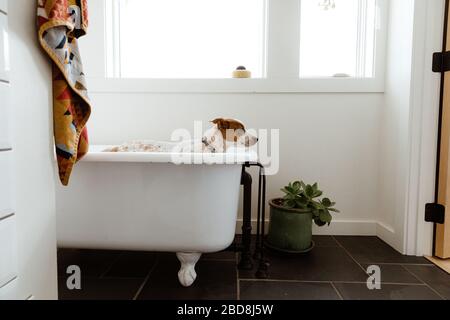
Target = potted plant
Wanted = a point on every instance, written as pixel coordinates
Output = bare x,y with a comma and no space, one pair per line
290,227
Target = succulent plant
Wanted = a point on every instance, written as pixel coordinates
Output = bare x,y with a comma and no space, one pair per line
299,195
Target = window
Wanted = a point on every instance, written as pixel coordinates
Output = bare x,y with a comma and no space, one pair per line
194,45
337,38
186,38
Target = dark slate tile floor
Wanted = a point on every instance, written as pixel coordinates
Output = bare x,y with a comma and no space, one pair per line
334,270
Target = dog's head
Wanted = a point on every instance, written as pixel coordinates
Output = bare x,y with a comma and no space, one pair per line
228,131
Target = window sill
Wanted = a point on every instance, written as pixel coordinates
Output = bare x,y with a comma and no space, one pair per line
273,86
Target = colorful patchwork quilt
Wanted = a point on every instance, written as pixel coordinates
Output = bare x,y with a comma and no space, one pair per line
60,24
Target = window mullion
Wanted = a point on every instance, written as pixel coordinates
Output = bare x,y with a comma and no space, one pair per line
118,33
283,38
265,38
94,45
381,39
361,39
113,33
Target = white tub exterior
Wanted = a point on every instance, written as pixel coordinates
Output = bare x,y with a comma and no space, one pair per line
142,201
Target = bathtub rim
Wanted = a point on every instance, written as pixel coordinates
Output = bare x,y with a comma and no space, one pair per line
240,156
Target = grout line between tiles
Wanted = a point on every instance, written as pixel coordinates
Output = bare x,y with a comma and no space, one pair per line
138,292
102,275
420,280
279,280
123,278
218,260
348,253
426,284
379,263
238,283
337,291
327,282
399,264
429,263
335,241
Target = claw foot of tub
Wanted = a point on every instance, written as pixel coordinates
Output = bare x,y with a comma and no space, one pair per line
187,274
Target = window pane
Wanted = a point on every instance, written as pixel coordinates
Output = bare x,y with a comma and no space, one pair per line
337,37
191,39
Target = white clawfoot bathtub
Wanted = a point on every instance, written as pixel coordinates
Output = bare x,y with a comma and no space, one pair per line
143,201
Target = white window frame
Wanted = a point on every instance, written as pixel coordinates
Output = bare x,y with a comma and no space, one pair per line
282,55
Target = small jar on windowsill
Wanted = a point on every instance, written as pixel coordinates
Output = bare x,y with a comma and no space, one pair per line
241,73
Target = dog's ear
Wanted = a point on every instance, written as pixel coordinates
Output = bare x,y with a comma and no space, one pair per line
218,122
235,124
227,124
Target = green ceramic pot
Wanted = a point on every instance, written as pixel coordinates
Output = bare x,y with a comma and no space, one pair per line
290,230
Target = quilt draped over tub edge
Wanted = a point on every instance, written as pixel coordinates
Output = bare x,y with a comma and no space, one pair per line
60,24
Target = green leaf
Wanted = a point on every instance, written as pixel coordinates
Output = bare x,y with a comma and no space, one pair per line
319,223
315,186
326,202
317,205
334,210
301,201
309,191
325,216
316,214
290,196
317,194
290,204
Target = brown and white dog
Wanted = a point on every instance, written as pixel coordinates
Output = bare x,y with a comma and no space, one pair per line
224,134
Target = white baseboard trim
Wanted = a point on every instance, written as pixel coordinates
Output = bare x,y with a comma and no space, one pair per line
387,234
337,228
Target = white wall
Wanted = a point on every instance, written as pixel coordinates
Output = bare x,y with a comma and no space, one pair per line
33,157
394,129
329,138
